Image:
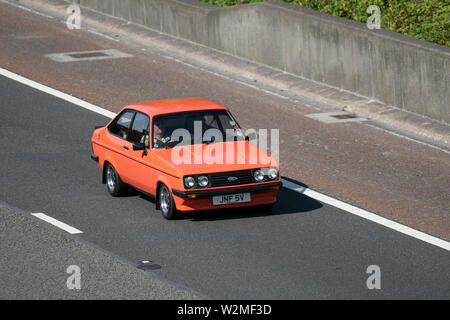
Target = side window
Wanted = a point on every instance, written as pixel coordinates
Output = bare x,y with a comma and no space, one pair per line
227,122
122,124
139,128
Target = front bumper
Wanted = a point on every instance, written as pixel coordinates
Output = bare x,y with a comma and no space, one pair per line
196,200
224,191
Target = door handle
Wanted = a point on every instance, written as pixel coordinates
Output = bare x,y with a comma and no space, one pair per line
125,147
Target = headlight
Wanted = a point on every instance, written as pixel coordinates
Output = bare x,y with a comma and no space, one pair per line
258,175
202,181
272,173
189,182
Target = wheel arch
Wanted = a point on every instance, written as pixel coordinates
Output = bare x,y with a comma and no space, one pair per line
160,181
105,164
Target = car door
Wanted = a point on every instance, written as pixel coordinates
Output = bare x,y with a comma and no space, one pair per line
143,175
119,131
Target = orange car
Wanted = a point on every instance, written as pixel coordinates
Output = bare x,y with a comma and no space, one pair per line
189,154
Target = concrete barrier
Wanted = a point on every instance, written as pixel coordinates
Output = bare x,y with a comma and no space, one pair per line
398,70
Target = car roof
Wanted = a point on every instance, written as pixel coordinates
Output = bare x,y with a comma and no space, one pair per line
175,105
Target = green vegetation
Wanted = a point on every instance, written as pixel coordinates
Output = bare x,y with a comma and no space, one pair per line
427,20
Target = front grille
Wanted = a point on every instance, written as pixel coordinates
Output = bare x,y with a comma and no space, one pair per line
220,179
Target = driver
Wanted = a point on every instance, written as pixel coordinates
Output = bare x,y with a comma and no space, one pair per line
158,134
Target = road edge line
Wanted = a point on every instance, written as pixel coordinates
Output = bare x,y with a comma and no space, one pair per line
56,93
367,215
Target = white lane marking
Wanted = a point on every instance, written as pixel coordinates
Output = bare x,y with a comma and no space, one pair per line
57,223
408,138
28,9
290,185
56,93
167,56
367,215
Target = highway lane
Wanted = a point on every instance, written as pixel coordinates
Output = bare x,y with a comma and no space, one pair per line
355,162
35,257
304,249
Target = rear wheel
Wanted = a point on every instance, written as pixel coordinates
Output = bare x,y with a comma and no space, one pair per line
166,203
113,182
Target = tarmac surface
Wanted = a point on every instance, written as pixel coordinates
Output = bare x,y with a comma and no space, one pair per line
304,249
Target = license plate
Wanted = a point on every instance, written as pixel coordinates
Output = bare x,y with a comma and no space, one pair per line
231,198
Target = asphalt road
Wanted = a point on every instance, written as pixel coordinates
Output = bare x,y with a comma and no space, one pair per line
304,249
36,262
358,163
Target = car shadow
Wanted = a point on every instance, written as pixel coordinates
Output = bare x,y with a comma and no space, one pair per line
132,192
288,202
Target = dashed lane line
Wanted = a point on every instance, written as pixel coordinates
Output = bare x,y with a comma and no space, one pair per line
57,223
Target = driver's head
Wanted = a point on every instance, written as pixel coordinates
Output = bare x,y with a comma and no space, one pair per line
158,129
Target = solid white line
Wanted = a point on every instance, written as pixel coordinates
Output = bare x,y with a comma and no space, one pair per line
367,215
57,223
290,185
28,9
408,138
236,80
56,93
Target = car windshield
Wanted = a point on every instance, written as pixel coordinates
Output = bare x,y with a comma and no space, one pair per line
193,127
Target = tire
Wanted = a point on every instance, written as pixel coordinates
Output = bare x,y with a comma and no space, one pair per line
114,184
166,203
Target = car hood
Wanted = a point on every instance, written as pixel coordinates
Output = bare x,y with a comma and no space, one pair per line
207,158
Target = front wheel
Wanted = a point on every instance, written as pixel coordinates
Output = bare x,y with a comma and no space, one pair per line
166,203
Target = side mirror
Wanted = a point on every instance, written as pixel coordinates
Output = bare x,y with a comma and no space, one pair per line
138,146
